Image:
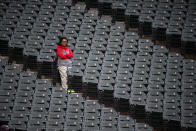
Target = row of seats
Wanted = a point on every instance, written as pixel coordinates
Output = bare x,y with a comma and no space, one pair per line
95,67
171,21
146,89
34,35
49,15
29,103
137,78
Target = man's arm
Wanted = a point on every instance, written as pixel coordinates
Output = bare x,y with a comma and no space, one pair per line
71,55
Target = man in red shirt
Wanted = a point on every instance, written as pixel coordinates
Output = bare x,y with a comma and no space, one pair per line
64,61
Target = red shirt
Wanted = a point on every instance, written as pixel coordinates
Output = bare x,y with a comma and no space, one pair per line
64,52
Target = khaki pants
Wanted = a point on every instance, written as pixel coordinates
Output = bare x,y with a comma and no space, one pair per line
63,75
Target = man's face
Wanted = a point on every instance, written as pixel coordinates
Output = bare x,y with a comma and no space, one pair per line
64,42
